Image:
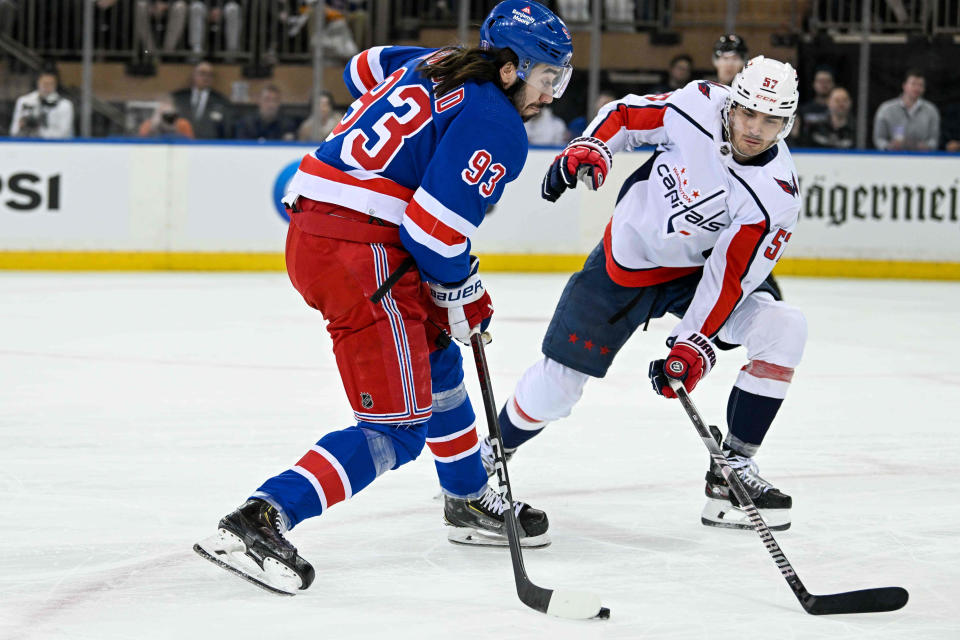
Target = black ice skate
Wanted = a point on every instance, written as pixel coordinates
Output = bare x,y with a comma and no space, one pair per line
250,543
480,521
487,458
723,508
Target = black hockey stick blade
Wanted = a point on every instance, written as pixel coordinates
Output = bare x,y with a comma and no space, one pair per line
563,603
863,601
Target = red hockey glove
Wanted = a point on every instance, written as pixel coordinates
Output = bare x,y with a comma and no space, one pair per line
464,308
585,158
689,360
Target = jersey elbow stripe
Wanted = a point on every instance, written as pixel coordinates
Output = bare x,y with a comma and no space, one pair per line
373,61
634,118
740,255
422,237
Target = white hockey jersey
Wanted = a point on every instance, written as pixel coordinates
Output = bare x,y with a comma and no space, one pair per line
691,205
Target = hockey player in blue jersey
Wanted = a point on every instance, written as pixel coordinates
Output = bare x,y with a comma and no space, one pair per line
405,178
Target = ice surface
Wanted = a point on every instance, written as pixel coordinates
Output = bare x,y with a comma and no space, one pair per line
136,409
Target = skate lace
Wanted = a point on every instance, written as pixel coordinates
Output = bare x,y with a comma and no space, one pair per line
495,502
749,473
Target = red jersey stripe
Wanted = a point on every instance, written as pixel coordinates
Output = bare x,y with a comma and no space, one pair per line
431,225
454,447
768,370
740,254
363,69
326,474
314,167
523,414
633,118
639,277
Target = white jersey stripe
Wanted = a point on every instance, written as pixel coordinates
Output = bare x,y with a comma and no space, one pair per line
314,482
440,211
344,478
424,238
460,456
454,435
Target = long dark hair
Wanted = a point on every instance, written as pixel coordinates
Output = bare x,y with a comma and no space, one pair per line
452,66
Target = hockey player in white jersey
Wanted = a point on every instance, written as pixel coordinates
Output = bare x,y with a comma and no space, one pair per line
695,232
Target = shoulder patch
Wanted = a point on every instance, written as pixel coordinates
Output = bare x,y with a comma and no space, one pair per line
704,88
789,186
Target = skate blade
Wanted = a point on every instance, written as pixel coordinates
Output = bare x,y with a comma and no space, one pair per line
228,551
469,536
722,514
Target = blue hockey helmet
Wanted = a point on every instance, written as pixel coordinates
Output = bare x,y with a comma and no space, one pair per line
538,37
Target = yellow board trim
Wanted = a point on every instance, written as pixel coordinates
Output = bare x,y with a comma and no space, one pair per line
532,263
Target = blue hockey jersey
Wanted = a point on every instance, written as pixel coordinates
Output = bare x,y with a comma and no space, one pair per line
432,165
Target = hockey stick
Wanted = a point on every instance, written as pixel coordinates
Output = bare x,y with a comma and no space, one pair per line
862,601
562,603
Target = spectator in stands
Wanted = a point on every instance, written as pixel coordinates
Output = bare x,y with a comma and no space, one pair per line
729,56
577,125
908,122
679,73
267,123
214,14
166,123
951,127
357,17
328,120
43,113
836,131
208,110
546,129
171,17
814,111
8,16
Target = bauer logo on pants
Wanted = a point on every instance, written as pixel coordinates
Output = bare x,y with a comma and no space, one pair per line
366,400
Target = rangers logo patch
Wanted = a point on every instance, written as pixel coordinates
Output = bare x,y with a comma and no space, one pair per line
366,400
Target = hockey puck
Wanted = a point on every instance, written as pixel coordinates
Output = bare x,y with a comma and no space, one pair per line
604,613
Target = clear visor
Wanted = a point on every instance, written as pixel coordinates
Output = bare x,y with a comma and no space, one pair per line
546,78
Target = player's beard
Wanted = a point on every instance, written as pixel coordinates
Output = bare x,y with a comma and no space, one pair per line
518,96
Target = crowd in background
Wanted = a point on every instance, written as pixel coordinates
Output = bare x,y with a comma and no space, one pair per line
906,122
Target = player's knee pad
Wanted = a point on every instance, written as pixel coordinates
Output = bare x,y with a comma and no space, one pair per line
772,332
548,390
392,446
787,335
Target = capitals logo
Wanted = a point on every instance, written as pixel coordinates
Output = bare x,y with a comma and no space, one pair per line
789,187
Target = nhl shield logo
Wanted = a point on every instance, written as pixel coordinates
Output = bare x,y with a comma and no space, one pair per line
366,400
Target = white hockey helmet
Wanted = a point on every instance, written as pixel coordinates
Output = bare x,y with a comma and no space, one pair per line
768,86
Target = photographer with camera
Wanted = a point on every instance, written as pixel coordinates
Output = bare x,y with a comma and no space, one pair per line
166,122
43,113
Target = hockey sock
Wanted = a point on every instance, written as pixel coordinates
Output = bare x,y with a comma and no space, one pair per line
451,430
517,427
749,416
452,438
341,464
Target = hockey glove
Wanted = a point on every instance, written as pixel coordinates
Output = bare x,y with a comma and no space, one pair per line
689,360
464,308
585,158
